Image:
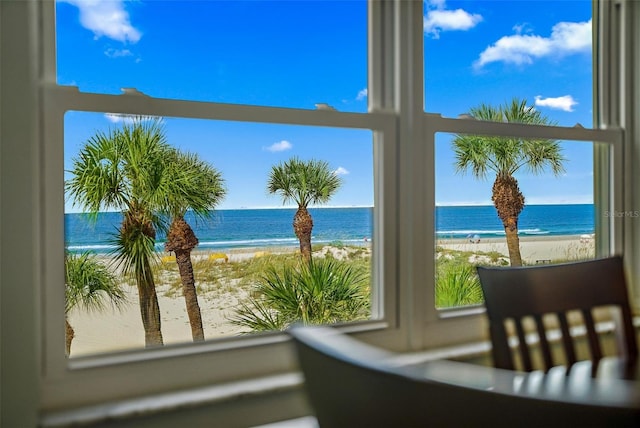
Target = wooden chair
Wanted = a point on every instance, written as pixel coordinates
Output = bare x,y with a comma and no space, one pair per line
520,292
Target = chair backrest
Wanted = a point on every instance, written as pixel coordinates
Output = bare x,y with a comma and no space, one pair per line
515,293
351,384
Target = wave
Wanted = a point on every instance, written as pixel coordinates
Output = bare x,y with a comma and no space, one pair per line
534,232
469,232
493,232
248,242
240,243
89,247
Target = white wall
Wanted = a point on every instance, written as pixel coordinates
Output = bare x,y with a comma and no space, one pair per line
19,318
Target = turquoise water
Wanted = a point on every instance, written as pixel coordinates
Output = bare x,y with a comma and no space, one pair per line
228,229
545,220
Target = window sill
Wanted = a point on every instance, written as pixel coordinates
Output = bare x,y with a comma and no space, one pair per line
172,402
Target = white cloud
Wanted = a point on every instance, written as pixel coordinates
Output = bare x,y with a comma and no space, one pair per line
280,146
566,38
439,19
449,20
341,171
362,94
106,18
117,53
565,102
520,28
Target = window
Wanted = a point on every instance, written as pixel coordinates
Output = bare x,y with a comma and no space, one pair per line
229,136
248,234
438,135
404,141
272,53
481,53
553,220
515,63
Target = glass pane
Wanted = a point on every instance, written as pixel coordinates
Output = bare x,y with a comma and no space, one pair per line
275,53
540,51
525,217
248,262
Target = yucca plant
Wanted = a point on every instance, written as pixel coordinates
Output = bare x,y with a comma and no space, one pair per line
90,285
457,285
323,291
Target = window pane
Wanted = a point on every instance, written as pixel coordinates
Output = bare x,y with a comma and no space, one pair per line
276,53
245,241
549,217
541,51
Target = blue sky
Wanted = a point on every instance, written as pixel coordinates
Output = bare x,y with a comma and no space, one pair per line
300,53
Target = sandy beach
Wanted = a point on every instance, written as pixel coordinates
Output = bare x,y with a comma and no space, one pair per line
116,330
534,249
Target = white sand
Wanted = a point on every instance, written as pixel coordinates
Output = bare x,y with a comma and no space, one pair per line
113,330
116,330
533,249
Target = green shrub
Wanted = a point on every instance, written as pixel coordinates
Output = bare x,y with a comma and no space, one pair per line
323,291
457,284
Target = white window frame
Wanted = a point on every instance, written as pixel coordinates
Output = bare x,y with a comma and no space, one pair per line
414,321
36,378
66,381
464,324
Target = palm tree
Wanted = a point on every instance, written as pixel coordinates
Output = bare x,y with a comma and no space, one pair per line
303,183
126,169
505,156
89,284
199,187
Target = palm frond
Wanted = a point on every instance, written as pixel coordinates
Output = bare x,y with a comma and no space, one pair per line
505,155
90,284
303,182
192,184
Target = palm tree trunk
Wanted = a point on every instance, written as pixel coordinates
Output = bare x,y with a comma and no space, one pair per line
149,309
513,242
137,228
183,258
69,334
509,202
181,240
302,226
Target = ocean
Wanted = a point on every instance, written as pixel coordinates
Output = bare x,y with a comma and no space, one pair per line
237,229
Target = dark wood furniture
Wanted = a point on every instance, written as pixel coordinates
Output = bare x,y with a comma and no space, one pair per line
351,384
515,293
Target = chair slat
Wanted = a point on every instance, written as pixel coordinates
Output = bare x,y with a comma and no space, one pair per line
524,348
544,343
567,341
594,343
626,342
514,293
502,357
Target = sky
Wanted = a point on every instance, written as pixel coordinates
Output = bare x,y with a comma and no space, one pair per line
301,53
